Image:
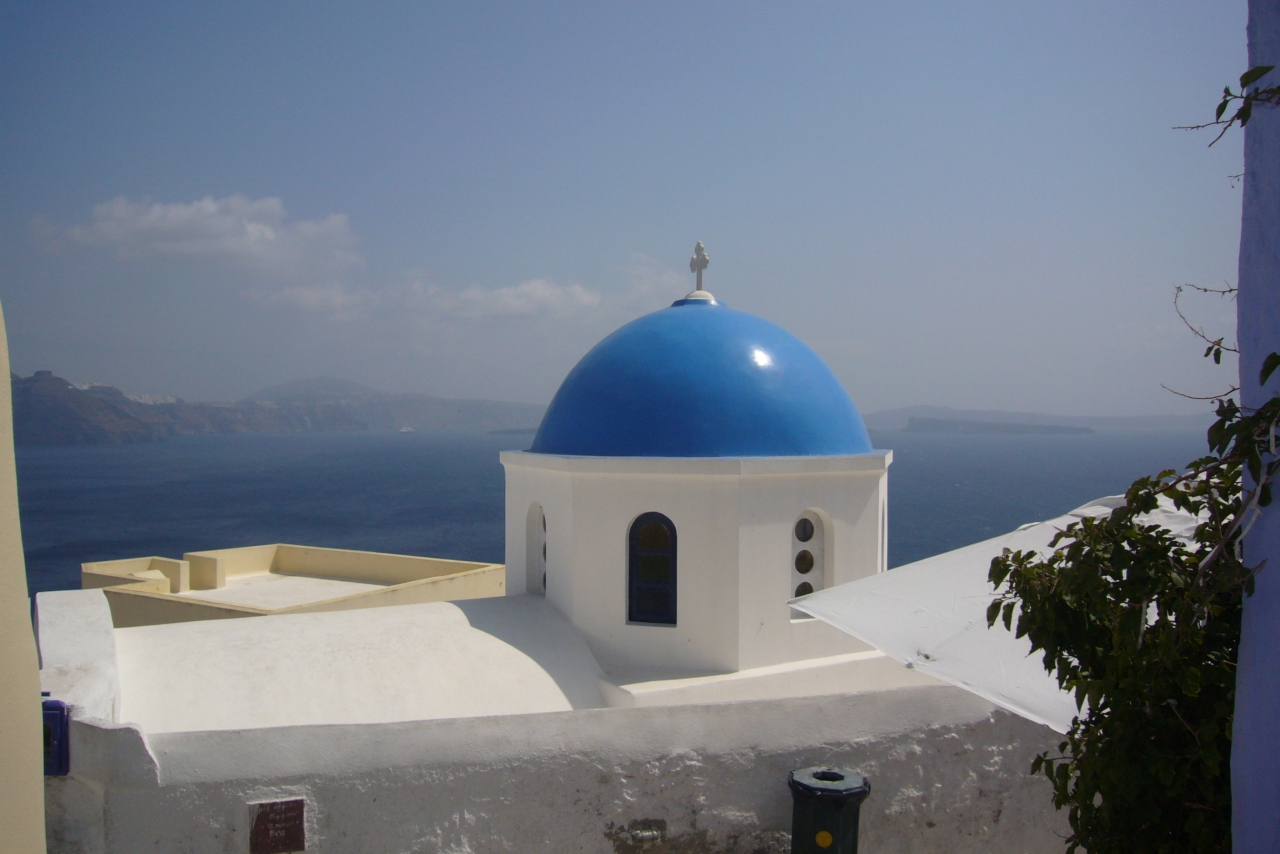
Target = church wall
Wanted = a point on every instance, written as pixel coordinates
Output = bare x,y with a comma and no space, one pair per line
705,514
521,490
515,508
733,522
850,502
590,504
555,493
947,771
552,490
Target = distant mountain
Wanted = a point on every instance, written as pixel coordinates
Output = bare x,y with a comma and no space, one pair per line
900,419
381,410
48,410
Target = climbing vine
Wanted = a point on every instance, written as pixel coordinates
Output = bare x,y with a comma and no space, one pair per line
1143,628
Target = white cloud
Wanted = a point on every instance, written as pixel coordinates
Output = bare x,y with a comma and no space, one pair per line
527,299
311,265
255,234
417,301
333,297
652,283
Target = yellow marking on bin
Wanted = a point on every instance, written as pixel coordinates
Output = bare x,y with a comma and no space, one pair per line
824,839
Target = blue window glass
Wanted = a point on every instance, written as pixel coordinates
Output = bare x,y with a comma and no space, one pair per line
651,570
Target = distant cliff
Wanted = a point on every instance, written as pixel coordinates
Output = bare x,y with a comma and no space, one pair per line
48,410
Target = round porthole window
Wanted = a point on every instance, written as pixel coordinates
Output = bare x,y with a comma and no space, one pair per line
804,561
804,531
804,589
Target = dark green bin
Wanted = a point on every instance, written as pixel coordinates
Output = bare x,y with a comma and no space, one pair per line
824,811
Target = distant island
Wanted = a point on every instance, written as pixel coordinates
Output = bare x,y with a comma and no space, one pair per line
49,410
944,419
956,425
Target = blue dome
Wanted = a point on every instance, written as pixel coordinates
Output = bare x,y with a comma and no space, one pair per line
699,379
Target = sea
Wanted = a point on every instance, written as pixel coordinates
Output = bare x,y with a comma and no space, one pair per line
440,494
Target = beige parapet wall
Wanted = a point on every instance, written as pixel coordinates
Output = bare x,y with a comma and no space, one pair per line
153,574
144,591
134,607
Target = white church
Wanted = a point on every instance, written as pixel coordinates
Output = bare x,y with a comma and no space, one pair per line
636,677
697,469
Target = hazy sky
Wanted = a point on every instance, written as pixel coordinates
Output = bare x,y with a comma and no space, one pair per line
976,205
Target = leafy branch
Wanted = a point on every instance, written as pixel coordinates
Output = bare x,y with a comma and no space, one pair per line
1143,629
1247,99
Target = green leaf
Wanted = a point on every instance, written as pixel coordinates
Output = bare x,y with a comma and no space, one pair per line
1000,568
1269,366
1254,74
1222,108
1245,112
993,611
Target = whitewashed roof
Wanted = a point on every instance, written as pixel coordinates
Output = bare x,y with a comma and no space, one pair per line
481,657
931,616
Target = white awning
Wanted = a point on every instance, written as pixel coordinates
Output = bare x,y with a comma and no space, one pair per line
932,616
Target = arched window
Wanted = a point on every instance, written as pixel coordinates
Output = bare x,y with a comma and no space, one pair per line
651,570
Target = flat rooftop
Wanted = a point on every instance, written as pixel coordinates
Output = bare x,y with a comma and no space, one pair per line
272,591
280,578
496,656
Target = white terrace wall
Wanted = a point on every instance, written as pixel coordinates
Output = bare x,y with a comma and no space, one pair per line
948,774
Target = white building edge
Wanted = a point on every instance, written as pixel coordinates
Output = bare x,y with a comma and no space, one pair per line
643,684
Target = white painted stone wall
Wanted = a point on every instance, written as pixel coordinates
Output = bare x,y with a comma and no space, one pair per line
1255,755
79,664
733,520
948,774
854,506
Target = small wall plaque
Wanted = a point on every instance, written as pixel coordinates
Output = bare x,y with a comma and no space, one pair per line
279,827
